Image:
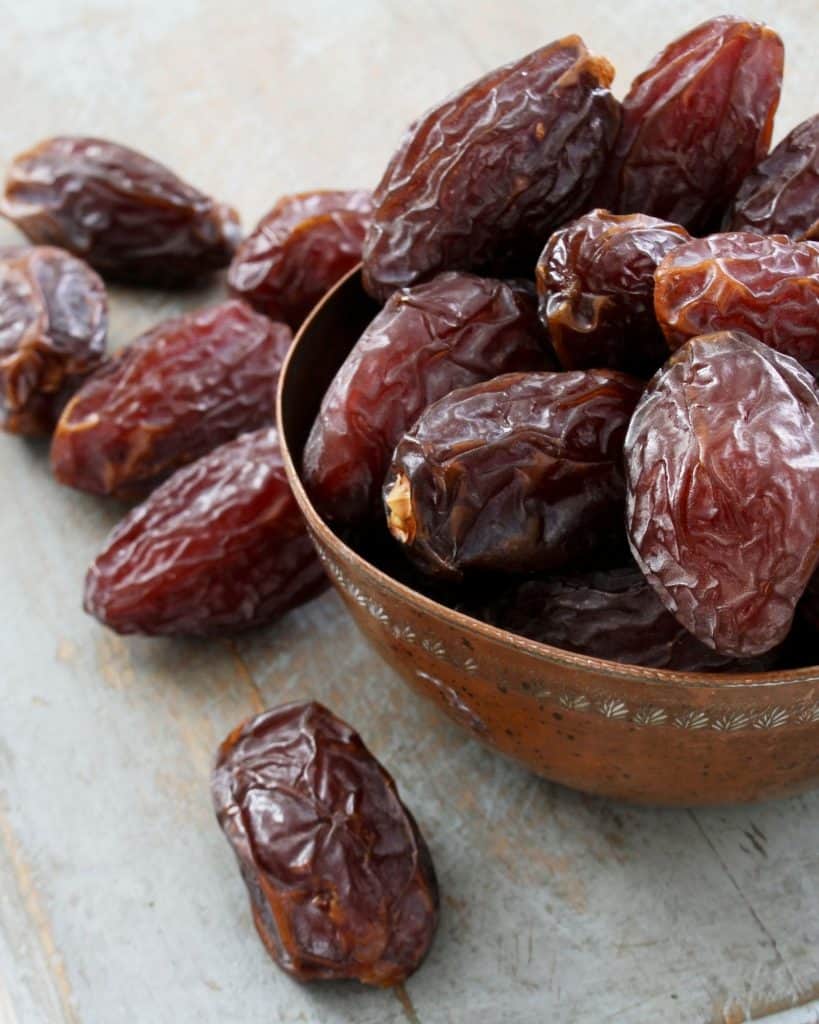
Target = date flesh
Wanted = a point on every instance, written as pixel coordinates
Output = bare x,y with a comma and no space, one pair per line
481,180
595,279
766,287
340,880
298,251
695,123
518,474
781,195
455,330
130,217
221,546
53,325
722,461
172,395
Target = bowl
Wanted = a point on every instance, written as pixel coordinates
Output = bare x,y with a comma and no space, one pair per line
637,734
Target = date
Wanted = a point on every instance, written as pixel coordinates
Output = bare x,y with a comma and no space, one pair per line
722,461
128,216
518,474
340,880
482,179
174,394
53,326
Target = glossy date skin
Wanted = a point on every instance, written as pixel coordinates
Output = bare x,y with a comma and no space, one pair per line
298,251
695,123
781,195
521,473
722,462
53,326
595,279
480,181
766,287
220,547
129,217
175,393
340,880
450,332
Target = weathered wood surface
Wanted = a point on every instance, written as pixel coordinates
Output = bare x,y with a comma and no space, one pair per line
119,899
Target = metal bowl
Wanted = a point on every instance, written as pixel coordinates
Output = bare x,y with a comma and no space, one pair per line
638,734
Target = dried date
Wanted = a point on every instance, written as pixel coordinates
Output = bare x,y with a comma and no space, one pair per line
481,179
53,325
298,251
722,460
340,880
173,394
130,217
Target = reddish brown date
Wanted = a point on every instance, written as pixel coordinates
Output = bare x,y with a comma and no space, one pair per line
481,179
694,124
595,279
298,251
781,195
766,287
519,474
219,547
455,330
130,217
53,324
175,393
722,459
340,880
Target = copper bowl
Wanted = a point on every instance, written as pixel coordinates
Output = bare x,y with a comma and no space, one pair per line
638,734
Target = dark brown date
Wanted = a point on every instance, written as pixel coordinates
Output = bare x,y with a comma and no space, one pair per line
694,123
482,179
766,287
722,459
455,330
809,608
519,474
53,324
221,546
178,391
340,879
781,195
130,217
298,251
595,279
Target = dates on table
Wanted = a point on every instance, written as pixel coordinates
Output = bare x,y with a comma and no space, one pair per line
172,395
481,180
596,284
298,251
518,474
722,460
53,325
130,217
340,880
455,330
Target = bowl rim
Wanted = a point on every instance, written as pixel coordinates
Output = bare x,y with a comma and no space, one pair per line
673,678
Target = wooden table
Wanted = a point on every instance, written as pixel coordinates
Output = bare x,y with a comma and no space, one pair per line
120,902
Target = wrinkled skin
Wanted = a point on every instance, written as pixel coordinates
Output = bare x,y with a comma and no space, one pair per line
340,879
178,391
220,547
722,461
128,216
481,180
298,251
53,325
766,287
781,195
595,279
519,474
695,123
455,330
